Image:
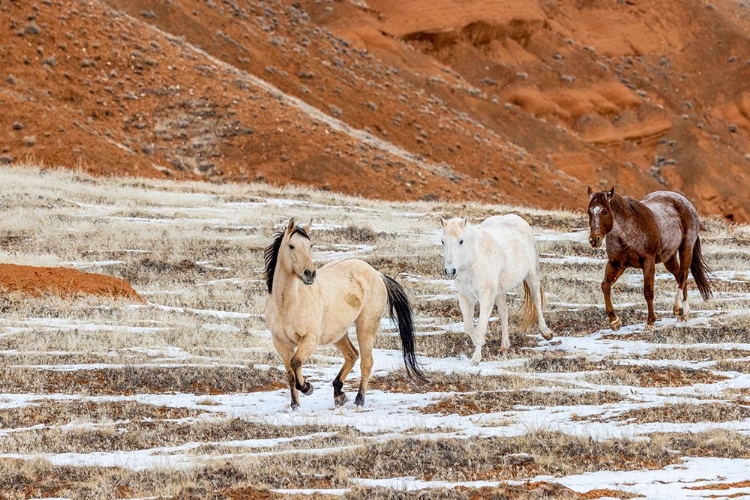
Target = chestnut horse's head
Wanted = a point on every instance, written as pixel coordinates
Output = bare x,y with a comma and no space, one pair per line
601,219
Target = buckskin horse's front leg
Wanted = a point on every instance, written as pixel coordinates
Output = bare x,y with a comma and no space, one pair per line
304,350
611,274
286,355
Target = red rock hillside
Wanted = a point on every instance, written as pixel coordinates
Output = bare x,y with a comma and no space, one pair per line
517,102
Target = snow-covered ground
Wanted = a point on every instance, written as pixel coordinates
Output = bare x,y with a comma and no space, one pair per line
153,339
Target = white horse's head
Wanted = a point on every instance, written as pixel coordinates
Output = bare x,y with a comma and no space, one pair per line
295,252
454,248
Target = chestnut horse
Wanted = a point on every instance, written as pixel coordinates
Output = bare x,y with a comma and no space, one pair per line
661,228
308,307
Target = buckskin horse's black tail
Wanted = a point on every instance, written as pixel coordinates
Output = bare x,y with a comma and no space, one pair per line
700,271
399,308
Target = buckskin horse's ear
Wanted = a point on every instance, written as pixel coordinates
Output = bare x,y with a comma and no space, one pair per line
306,227
292,226
610,193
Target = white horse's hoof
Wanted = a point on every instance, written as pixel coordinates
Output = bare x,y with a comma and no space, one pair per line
476,358
682,318
616,324
547,334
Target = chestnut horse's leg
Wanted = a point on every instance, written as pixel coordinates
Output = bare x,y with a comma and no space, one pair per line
286,356
350,357
611,275
649,270
686,257
673,266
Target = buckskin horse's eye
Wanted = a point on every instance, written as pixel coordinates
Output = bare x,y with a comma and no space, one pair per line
291,247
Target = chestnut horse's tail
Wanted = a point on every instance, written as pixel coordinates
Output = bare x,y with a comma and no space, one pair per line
700,271
529,311
399,308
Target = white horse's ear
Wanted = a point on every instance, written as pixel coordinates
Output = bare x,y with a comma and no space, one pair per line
443,222
611,193
307,226
591,191
291,226
464,221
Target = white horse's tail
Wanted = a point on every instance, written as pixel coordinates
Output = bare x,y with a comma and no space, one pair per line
529,311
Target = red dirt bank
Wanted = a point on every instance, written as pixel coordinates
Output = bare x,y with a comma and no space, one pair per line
63,282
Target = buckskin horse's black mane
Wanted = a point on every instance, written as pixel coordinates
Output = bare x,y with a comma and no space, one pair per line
271,254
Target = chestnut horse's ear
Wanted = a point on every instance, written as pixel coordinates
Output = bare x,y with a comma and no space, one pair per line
443,222
307,226
610,193
291,226
591,191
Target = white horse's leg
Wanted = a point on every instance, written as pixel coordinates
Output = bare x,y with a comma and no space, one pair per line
467,311
486,302
502,308
536,297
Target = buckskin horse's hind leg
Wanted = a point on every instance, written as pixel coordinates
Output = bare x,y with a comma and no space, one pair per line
350,357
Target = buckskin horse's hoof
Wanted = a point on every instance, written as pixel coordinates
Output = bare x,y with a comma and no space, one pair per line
615,324
340,400
307,388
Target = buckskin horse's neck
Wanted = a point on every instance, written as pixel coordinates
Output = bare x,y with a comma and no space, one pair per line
285,285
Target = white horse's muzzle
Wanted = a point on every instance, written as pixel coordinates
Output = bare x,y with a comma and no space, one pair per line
449,272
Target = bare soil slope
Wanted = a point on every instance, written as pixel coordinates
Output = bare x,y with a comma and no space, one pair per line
63,282
515,102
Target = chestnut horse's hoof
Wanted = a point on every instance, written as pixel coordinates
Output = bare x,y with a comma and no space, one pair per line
649,328
615,323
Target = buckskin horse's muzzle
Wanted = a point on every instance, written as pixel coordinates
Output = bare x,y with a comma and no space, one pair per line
308,276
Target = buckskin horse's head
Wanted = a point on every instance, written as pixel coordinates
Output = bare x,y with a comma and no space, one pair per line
601,220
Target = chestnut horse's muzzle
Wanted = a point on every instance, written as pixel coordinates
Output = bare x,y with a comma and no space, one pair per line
308,276
596,241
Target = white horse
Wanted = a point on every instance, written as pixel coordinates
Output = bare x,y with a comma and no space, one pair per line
487,261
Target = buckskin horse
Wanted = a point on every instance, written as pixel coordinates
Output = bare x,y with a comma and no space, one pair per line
308,307
661,228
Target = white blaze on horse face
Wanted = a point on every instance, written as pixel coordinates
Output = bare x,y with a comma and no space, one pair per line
596,234
453,246
297,253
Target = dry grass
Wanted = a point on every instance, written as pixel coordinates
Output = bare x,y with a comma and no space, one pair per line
499,401
83,375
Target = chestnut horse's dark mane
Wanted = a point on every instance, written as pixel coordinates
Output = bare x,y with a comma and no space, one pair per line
627,206
271,254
